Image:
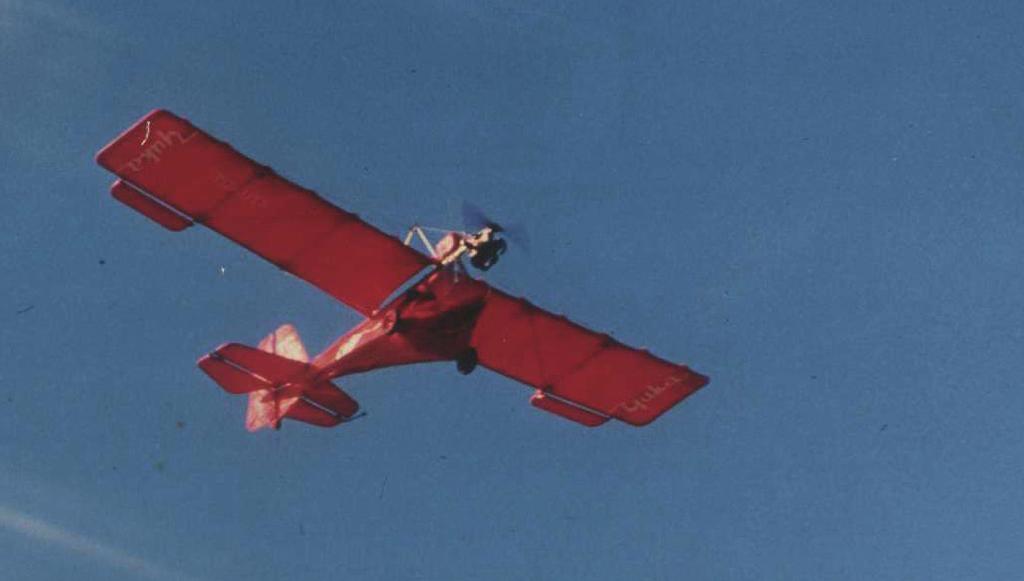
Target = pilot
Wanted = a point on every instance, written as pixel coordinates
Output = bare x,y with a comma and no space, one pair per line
484,248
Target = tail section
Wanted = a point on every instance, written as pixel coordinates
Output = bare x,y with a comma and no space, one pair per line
280,382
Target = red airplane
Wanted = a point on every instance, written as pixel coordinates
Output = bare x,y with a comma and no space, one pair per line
177,175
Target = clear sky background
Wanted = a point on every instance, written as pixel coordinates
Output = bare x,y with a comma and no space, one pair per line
817,206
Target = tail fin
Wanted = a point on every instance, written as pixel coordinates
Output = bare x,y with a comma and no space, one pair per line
280,382
286,343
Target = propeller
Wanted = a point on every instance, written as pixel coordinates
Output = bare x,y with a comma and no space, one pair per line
475,219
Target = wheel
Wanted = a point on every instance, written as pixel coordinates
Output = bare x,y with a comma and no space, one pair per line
466,361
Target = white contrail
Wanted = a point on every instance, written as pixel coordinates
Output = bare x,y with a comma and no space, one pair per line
39,530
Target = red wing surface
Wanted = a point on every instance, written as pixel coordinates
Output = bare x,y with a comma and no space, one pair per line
577,365
170,160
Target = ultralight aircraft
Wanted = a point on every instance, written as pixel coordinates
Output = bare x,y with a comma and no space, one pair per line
177,175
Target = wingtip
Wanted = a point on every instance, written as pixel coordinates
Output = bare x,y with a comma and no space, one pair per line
103,153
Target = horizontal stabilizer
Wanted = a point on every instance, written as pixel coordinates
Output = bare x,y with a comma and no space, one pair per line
231,378
320,405
326,395
275,369
304,411
148,207
279,381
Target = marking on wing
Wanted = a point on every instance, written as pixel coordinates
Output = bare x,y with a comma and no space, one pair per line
649,393
164,141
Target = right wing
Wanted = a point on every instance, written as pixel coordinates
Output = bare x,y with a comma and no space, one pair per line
167,161
589,370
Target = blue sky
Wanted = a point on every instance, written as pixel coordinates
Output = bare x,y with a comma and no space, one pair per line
817,206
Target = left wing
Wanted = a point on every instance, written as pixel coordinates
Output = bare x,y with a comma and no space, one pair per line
177,174
578,372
